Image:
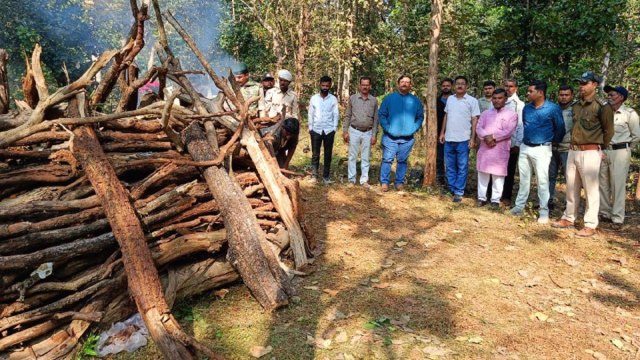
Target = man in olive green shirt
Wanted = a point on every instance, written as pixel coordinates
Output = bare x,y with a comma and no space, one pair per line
592,131
614,169
249,88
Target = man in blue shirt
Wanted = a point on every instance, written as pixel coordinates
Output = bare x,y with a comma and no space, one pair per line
401,114
543,125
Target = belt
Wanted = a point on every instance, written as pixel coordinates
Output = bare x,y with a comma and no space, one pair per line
362,129
534,145
585,147
619,146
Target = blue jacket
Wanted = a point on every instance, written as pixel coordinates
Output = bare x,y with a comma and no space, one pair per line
401,115
542,125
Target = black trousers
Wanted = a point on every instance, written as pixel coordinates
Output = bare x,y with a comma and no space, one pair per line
326,141
511,174
440,174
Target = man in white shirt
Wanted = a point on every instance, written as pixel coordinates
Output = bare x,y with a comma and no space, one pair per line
323,122
514,103
458,136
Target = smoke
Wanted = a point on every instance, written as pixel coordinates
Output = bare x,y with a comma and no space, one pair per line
73,30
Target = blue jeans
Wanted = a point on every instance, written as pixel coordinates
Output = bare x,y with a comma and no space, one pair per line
558,161
456,159
396,148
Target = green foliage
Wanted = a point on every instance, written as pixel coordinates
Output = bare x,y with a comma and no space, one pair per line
88,349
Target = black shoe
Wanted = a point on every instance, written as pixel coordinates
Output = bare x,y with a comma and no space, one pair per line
481,203
457,198
551,205
494,206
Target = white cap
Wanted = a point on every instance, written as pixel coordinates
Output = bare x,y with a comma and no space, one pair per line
285,74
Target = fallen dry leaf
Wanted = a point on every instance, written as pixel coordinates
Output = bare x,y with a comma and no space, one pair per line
314,288
331,291
571,261
401,243
475,340
617,343
533,282
260,351
221,293
539,316
458,296
599,356
342,337
383,285
523,273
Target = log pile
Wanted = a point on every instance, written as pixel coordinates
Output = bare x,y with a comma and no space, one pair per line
103,215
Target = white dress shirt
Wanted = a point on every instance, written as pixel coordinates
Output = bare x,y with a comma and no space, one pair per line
323,114
514,103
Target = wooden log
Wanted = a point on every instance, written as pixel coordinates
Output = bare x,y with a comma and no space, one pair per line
10,121
244,236
48,174
143,281
44,206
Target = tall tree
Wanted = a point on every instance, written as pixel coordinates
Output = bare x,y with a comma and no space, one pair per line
431,95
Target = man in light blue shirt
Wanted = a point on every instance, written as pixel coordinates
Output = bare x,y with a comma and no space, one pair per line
458,136
401,115
323,121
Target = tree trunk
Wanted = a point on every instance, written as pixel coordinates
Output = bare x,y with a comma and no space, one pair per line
4,82
303,37
346,73
431,95
143,280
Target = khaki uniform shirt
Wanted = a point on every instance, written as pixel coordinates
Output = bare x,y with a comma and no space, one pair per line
592,122
249,89
275,101
626,126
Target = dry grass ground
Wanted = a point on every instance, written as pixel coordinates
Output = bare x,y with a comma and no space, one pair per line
413,276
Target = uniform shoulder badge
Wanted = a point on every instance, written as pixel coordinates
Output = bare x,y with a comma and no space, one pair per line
601,101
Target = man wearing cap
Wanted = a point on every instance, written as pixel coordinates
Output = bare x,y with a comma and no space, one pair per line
281,99
615,164
248,87
281,140
359,130
266,84
592,131
323,122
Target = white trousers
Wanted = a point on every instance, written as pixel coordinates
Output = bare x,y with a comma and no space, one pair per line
496,187
359,142
583,171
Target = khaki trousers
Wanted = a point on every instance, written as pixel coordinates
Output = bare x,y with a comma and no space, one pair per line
583,171
614,171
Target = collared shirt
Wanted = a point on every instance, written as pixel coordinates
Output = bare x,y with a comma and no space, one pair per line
459,115
362,113
626,126
543,124
441,104
261,104
567,116
514,103
323,114
249,90
275,101
484,104
592,122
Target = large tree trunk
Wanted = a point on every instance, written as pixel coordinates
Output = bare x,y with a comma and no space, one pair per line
4,82
303,41
143,280
431,95
265,279
346,73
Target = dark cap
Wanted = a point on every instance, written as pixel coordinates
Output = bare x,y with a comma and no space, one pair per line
268,76
589,76
619,89
239,69
291,125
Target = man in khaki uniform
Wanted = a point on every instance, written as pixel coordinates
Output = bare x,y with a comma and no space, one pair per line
614,168
592,131
248,87
281,98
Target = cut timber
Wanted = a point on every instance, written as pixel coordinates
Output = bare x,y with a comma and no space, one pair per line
4,82
268,285
143,280
273,180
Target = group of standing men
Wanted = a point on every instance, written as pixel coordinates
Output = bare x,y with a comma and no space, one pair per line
591,139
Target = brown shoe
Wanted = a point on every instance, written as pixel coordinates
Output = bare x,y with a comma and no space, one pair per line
384,187
400,187
586,232
617,226
563,224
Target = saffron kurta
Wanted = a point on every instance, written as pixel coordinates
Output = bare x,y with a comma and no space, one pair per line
501,124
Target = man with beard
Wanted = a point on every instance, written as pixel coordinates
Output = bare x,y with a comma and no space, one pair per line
560,151
592,131
401,115
445,90
323,122
281,99
614,169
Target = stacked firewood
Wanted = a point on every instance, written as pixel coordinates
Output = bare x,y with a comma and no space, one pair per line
103,215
